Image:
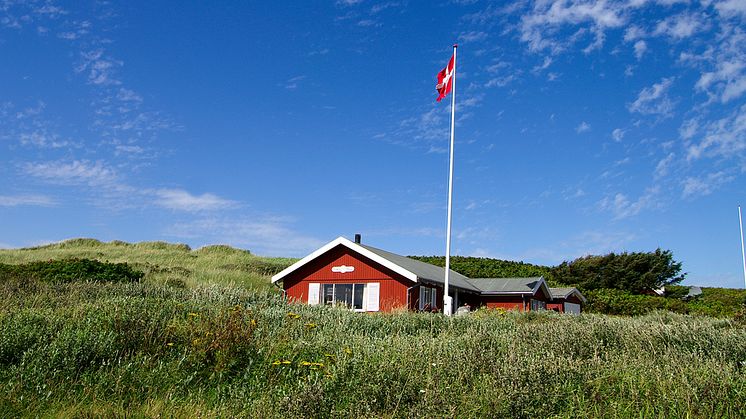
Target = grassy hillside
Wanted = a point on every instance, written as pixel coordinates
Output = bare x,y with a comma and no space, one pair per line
202,334
175,264
86,349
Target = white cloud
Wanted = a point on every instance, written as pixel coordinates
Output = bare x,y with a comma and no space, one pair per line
77,172
617,134
271,236
640,48
539,26
501,81
688,129
622,207
729,79
583,127
26,200
730,8
472,36
664,165
292,83
42,139
181,200
701,186
723,138
100,68
654,100
681,26
127,95
633,33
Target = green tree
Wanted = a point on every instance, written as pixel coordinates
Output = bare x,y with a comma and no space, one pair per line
635,272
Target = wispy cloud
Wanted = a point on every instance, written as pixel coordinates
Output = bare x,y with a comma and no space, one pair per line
583,127
681,26
664,165
292,83
654,100
540,26
721,138
76,172
640,48
272,236
700,186
472,36
26,200
99,67
621,206
181,200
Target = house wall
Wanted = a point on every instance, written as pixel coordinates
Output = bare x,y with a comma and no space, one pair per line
414,296
558,304
505,302
393,292
513,302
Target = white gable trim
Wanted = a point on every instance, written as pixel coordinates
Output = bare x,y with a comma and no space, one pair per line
352,246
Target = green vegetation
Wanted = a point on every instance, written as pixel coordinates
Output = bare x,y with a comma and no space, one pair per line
147,349
612,282
69,270
715,302
164,263
202,334
474,267
635,272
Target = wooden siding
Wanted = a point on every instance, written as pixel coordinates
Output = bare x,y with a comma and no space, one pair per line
558,304
506,302
393,292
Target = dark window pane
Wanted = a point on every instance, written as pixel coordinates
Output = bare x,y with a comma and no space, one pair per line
328,293
358,301
343,294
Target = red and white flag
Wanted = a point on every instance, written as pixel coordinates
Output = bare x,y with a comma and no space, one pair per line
445,79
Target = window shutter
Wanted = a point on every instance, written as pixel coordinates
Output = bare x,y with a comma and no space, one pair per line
374,291
313,293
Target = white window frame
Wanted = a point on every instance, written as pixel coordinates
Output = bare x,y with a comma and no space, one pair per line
431,297
364,306
538,305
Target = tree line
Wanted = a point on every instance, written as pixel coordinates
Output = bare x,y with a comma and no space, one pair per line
634,272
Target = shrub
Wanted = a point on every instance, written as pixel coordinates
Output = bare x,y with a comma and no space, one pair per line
70,270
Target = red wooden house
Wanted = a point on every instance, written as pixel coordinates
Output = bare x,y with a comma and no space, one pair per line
566,300
364,278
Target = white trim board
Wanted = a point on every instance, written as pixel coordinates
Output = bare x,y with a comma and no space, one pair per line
352,246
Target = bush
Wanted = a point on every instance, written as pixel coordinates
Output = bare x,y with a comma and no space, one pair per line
71,270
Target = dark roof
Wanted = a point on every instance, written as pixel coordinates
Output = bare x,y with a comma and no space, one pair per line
507,285
426,271
565,292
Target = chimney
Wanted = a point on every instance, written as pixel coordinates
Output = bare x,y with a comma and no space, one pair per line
357,238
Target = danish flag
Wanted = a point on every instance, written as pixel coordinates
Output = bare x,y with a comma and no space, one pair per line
445,79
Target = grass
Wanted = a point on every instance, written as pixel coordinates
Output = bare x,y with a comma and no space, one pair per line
204,335
162,262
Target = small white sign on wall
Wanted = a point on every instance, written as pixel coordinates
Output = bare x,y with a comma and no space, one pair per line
343,269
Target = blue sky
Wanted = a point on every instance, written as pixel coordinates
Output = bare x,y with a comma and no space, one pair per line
583,127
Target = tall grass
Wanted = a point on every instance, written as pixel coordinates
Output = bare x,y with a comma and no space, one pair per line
87,349
175,264
203,334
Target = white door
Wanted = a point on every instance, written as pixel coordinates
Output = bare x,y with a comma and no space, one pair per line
572,308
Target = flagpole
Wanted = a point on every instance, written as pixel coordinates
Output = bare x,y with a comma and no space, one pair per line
447,310
743,252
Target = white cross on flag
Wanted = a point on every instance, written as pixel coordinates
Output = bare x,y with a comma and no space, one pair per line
445,79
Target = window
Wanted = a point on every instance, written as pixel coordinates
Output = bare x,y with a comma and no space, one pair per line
538,305
428,296
347,295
